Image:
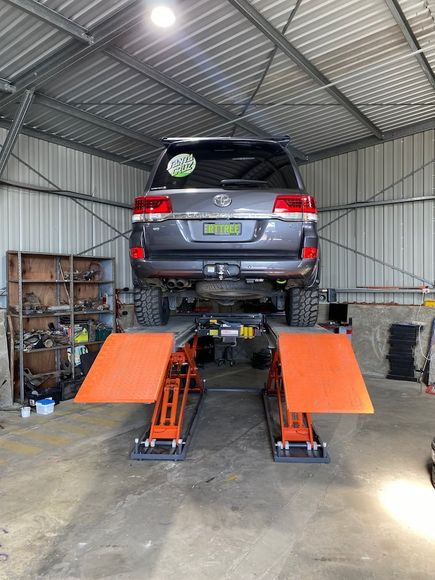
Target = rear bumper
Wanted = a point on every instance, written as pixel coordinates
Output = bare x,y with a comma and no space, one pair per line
302,272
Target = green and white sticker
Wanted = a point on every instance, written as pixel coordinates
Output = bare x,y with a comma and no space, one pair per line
181,165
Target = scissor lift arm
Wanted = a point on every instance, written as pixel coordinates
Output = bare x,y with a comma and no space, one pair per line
310,373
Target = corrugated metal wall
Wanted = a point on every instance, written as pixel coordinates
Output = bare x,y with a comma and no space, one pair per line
375,246
45,222
369,246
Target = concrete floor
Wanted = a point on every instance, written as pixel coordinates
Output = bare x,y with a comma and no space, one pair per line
74,506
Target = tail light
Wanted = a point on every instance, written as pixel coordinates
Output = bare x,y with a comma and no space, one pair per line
149,207
302,206
137,253
310,253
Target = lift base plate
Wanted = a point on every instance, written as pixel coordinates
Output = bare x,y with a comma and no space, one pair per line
296,452
163,449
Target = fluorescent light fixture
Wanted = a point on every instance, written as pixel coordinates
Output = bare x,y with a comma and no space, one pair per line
163,16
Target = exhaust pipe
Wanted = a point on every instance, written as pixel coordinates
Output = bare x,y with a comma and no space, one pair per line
179,284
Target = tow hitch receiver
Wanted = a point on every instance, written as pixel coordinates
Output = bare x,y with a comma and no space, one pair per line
222,271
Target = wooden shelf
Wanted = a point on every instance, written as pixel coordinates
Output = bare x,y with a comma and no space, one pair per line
62,281
76,312
42,274
61,347
66,313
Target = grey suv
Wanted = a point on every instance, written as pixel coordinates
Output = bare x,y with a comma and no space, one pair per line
227,220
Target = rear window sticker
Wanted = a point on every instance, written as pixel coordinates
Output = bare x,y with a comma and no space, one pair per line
181,165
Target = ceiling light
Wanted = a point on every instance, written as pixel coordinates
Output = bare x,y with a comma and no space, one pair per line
162,16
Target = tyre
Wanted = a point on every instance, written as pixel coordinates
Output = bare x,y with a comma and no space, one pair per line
232,289
150,307
302,306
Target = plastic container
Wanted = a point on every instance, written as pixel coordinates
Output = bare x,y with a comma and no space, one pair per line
45,406
25,412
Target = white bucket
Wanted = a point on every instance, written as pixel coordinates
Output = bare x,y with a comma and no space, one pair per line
25,412
45,406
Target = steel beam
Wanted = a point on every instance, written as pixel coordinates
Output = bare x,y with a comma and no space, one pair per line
398,133
121,235
288,49
64,193
15,129
65,108
377,261
149,71
362,204
375,195
76,51
51,138
411,39
384,290
104,34
53,18
7,87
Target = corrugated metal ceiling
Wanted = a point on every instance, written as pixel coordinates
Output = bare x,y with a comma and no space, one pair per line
218,53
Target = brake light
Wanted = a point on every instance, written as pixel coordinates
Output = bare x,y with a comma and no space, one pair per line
310,253
150,205
296,204
137,253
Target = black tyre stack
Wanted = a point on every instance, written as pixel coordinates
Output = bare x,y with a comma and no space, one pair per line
403,338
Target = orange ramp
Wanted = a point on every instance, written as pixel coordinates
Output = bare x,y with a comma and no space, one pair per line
321,374
130,368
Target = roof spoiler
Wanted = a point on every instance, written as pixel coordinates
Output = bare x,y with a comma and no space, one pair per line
283,139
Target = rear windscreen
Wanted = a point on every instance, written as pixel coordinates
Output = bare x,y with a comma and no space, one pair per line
205,165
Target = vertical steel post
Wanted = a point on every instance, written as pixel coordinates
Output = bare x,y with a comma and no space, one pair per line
15,129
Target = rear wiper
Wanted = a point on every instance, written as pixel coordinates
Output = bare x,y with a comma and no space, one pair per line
241,182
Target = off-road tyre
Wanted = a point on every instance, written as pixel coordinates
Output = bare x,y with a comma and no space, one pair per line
302,306
150,306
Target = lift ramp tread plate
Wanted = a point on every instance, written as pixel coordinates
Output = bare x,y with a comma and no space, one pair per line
130,368
321,374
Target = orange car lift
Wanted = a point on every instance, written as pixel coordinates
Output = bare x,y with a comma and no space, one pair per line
310,373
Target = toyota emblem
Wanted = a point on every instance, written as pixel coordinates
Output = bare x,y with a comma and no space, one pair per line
222,200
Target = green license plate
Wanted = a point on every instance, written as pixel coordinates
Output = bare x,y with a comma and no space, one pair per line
222,229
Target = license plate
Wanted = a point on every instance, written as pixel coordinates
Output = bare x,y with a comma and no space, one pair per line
222,229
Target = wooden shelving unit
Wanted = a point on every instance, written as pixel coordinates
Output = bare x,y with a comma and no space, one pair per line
56,280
